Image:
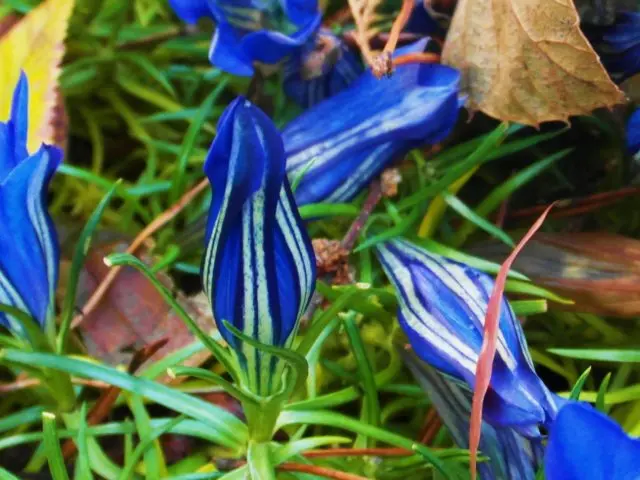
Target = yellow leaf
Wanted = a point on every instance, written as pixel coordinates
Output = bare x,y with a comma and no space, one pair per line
35,45
526,60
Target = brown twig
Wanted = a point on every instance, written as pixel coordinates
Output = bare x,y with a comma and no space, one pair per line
359,452
398,25
575,206
375,194
319,471
159,222
105,402
416,58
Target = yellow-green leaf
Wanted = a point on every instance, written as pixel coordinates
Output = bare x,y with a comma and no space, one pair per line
36,45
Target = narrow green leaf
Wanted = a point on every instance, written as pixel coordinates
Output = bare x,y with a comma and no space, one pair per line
601,401
577,388
465,212
371,406
83,461
596,354
145,446
190,139
529,307
57,467
224,427
503,191
80,253
337,420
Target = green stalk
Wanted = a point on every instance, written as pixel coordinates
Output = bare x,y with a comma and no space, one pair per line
259,461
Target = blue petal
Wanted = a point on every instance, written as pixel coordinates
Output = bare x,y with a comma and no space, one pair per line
511,456
13,134
259,267
322,68
633,133
618,45
226,52
442,310
299,11
250,31
421,21
585,444
267,46
28,240
370,123
190,11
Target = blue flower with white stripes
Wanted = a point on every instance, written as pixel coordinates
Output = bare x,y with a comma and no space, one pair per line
259,267
633,133
618,45
29,256
260,31
585,444
510,455
442,310
323,67
338,146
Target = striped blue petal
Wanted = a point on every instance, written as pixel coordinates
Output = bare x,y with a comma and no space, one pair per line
339,145
28,239
585,444
510,454
259,268
267,31
633,133
442,310
618,45
323,67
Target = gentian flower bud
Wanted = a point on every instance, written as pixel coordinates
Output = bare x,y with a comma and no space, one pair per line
323,67
618,45
29,256
442,310
633,133
585,444
339,145
259,267
510,455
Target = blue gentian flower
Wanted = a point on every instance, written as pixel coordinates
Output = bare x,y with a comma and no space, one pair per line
338,146
618,45
510,455
442,310
633,133
28,240
585,444
259,267
323,67
263,31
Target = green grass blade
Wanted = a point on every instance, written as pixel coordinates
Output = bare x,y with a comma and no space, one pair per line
57,467
226,428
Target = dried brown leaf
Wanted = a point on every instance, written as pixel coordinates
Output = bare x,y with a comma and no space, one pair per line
526,60
133,314
600,271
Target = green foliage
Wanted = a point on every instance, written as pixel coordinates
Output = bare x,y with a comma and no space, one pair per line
143,103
